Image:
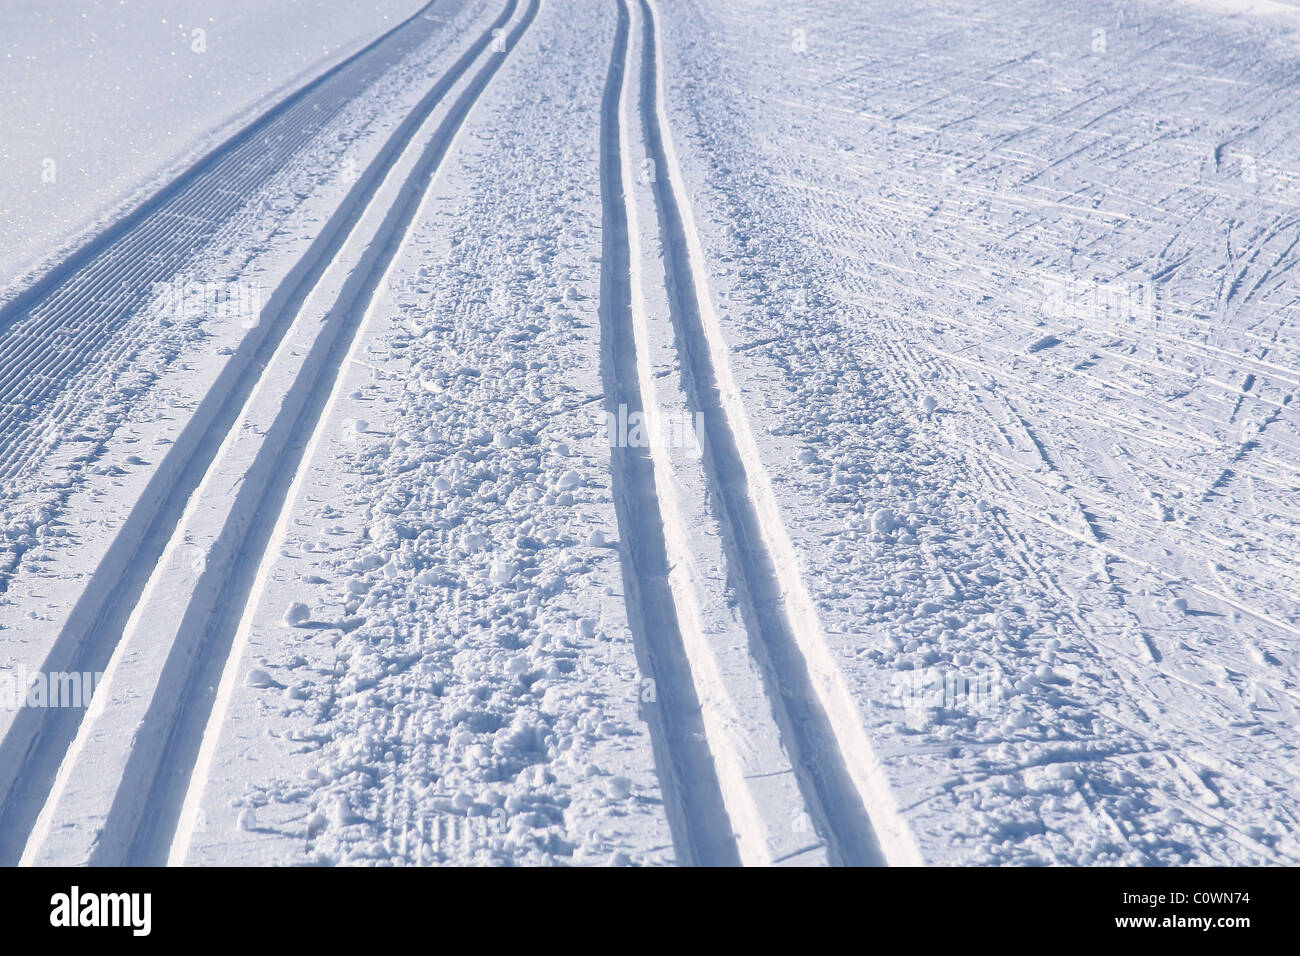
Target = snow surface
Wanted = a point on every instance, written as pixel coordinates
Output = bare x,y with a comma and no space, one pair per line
672,433
102,100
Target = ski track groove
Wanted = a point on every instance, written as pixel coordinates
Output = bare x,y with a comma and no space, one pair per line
225,627
61,339
839,775
697,811
34,749
81,304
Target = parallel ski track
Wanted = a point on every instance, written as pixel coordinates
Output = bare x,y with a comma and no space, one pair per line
68,320
697,813
838,773
163,785
30,754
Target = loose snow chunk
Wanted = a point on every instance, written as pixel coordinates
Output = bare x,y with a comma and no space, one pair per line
569,480
928,404
883,521
257,677
596,539
367,562
340,811
502,572
297,613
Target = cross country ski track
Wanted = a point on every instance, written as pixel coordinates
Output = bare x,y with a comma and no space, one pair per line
810,711
759,750
137,803
67,320
665,434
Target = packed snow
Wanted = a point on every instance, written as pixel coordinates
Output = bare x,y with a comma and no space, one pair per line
103,100
622,432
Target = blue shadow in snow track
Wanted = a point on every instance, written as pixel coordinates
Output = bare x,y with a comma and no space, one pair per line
697,815
38,738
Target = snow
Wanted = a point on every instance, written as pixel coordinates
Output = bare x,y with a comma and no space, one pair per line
671,434
297,613
103,100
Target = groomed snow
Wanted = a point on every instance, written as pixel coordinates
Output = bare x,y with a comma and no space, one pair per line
629,432
103,100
